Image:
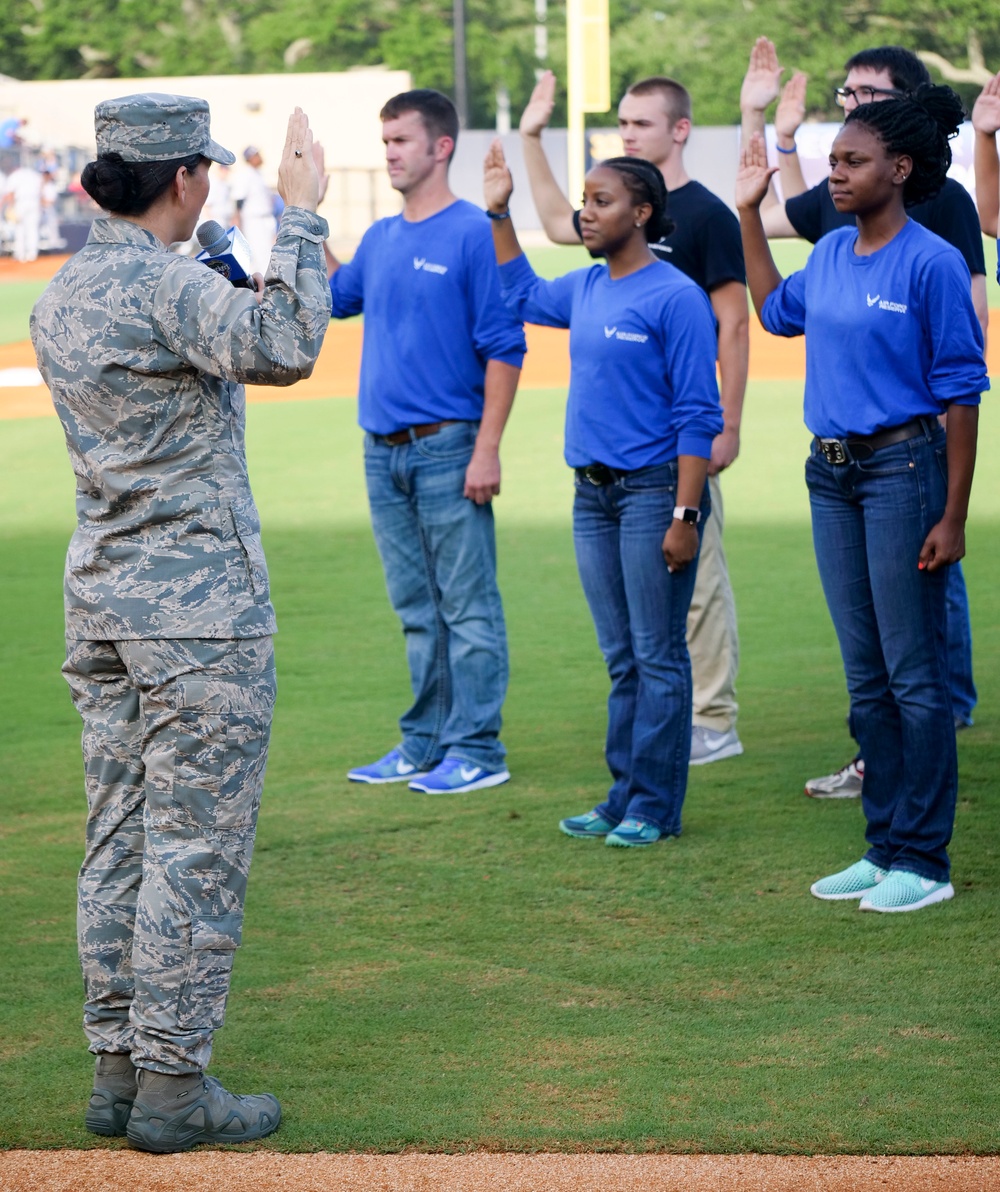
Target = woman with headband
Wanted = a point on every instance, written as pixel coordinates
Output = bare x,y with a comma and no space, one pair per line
642,412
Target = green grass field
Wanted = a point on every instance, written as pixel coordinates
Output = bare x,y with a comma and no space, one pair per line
454,973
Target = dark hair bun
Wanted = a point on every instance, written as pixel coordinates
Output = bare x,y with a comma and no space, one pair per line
943,106
108,181
131,187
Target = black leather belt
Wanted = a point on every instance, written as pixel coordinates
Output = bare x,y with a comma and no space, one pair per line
398,437
599,474
842,451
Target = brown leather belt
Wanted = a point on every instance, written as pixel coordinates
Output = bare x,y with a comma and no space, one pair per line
841,451
398,437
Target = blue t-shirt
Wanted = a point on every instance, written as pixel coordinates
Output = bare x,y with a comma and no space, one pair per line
642,386
889,336
433,318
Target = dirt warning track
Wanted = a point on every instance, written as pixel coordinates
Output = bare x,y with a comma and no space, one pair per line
263,1171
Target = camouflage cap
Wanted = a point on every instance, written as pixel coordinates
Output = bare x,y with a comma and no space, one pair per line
155,127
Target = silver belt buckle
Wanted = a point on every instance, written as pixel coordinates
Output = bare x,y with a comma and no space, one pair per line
833,451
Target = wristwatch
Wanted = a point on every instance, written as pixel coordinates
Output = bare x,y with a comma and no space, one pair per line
685,513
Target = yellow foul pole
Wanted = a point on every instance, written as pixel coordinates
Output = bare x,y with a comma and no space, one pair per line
589,78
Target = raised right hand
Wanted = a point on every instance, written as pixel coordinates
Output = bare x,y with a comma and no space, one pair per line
538,113
753,175
986,110
498,185
791,109
762,81
299,171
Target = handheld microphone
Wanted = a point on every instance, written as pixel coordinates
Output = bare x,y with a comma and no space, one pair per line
227,253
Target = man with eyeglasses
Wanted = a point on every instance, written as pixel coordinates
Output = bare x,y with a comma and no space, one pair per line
873,76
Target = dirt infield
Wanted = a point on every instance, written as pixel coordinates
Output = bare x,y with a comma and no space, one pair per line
262,1171
336,374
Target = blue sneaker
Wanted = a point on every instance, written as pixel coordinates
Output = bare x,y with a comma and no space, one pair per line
455,776
592,825
633,833
391,768
906,891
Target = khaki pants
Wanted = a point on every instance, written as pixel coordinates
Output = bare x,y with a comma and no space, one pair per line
175,737
711,629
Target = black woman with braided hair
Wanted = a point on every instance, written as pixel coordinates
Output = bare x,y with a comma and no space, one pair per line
643,410
892,341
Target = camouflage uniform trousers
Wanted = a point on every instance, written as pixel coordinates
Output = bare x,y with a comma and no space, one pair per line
175,744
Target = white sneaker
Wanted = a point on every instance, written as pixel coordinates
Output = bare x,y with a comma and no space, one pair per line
707,745
844,784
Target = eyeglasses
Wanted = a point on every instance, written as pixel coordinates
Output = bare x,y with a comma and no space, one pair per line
866,94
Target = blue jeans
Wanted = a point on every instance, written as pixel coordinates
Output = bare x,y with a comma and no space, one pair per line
438,552
963,689
640,612
870,518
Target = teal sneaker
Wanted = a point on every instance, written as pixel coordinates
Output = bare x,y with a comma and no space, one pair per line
590,826
855,881
906,891
633,833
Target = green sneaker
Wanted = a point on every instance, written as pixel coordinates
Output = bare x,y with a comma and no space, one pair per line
589,826
175,1113
906,891
855,881
112,1096
633,833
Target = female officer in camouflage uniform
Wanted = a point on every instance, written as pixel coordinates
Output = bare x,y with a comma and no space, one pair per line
168,613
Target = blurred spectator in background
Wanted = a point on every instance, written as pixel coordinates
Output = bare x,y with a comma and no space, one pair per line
10,132
220,204
49,238
255,208
24,198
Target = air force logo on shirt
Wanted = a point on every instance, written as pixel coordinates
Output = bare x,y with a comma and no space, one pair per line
898,308
423,263
631,337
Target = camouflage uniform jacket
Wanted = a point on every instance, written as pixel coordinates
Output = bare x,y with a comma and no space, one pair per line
145,353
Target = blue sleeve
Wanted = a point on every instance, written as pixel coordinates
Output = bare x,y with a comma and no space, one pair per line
496,332
957,369
784,310
535,300
347,285
688,328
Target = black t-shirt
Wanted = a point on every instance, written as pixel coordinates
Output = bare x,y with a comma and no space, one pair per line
706,243
951,214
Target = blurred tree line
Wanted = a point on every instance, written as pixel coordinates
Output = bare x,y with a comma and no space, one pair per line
704,43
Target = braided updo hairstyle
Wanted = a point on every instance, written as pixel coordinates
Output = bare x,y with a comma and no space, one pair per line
920,125
131,187
645,184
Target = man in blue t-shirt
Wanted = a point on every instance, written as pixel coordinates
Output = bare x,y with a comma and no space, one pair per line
654,118
441,358
873,75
